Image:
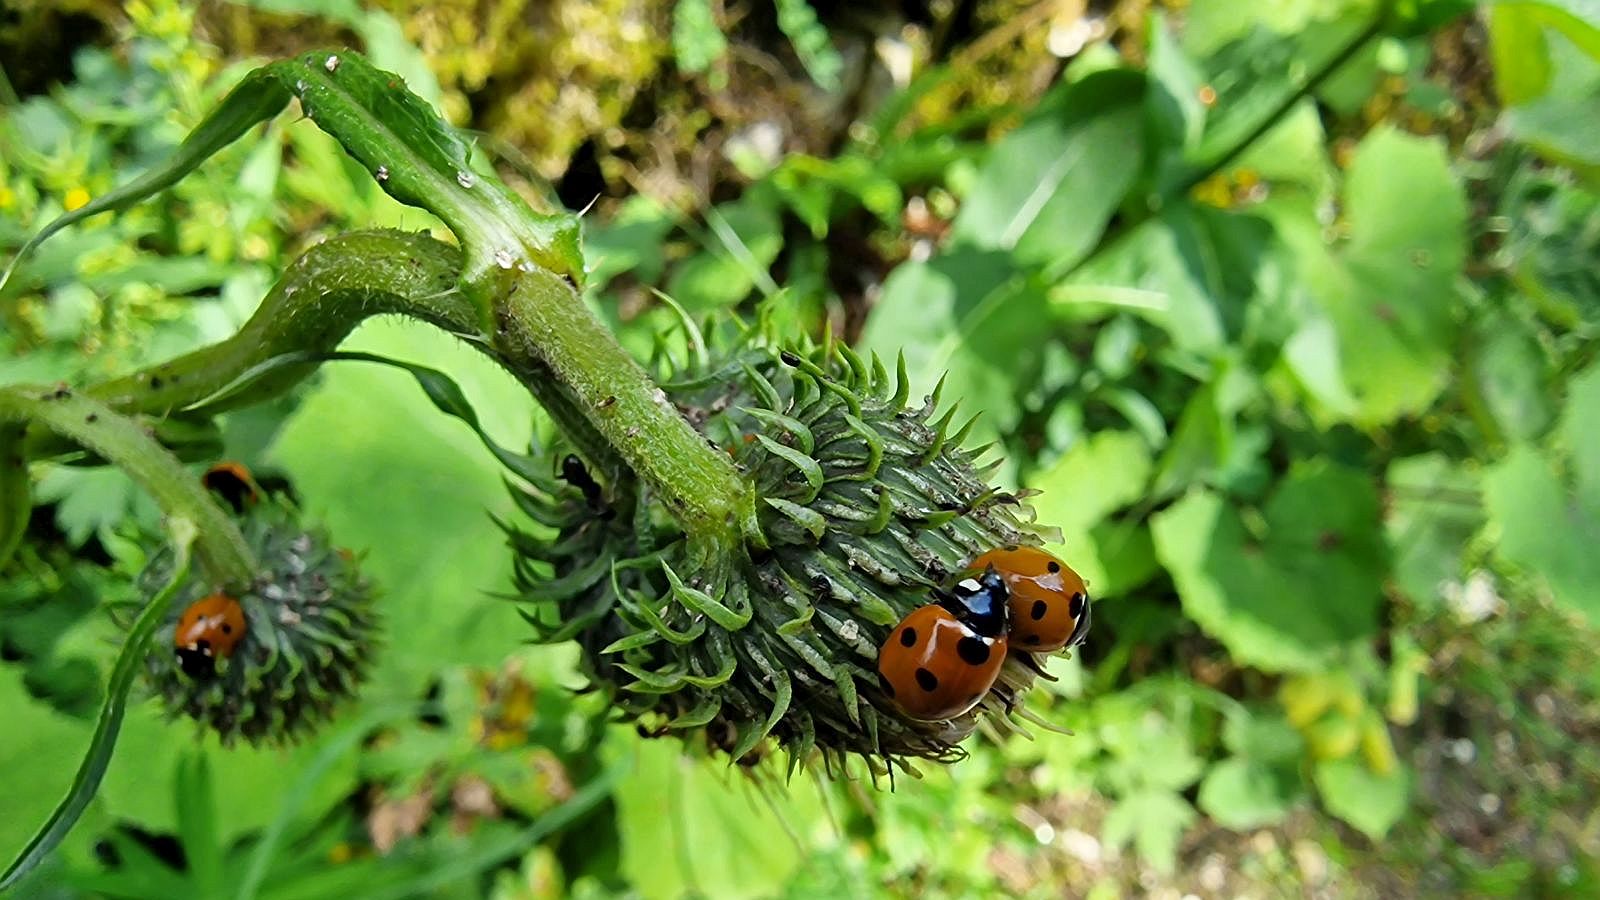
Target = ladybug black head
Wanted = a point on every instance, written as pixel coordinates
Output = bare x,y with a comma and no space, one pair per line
1080,631
196,660
982,601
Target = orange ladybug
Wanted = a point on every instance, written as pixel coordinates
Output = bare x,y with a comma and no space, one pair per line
233,483
208,631
942,658
1049,601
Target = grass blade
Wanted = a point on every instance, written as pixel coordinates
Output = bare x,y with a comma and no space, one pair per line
95,761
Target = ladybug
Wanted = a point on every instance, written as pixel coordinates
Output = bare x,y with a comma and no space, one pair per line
942,658
1049,601
208,631
233,483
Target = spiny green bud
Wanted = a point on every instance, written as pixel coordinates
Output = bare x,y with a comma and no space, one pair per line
309,630
866,504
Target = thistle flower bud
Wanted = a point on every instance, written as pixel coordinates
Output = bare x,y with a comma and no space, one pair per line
309,629
866,505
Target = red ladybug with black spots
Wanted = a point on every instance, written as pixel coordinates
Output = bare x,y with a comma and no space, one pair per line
1049,601
942,658
208,631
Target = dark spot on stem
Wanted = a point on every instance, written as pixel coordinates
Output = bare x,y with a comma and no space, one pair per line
789,359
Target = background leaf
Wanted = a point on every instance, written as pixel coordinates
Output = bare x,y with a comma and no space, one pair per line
1319,545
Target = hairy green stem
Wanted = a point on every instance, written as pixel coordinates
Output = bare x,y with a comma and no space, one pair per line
322,297
602,400
544,325
219,545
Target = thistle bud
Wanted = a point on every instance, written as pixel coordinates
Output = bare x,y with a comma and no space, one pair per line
270,660
866,505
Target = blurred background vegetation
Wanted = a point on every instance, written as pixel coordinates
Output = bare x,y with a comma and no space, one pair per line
1291,318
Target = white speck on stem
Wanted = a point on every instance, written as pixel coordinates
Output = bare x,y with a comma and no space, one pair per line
383,173
332,63
464,178
505,259
300,87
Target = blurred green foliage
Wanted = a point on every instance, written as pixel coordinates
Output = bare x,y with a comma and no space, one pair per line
1292,326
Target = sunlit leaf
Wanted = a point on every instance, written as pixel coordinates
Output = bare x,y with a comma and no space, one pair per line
1287,597
1545,526
1370,802
1049,188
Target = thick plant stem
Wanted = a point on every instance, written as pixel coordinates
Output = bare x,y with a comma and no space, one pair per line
544,325
561,353
219,545
322,297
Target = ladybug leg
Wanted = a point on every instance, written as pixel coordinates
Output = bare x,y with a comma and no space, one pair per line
1032,662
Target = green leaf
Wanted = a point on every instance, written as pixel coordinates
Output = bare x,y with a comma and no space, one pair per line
749,236
1242,793
197,823
1521,54
947,315
1551,121
1153,821
1049,188
632,242
369,452
130,661
672,812
1208,265
1287,598
1552,242
1508,376
1546,530
1434,511
411,152
1391,292
1371,803
1095,478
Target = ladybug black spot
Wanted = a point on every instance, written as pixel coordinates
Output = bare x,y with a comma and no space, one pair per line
888,688
1053,566
1031,640
927,680
1078,600
973,651
226,628
1039,609
908,637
